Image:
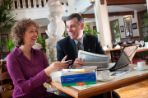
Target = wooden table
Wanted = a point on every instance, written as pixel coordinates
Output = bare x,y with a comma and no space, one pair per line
126,79
138,50
115,53
142,49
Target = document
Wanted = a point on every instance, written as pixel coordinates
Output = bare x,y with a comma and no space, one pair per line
92,59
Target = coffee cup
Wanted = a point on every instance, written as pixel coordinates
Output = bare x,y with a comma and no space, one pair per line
103,75
146,44
140,65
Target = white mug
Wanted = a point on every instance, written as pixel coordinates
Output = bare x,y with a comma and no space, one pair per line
103,75
140,65
146,44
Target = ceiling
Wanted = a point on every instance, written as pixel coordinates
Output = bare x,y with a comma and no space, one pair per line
121,8
86,7
131,7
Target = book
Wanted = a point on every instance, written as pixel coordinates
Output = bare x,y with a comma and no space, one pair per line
78,79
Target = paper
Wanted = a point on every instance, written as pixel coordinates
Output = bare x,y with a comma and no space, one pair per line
72,71
92,59
78,71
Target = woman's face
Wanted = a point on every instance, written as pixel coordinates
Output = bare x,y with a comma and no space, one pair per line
31,35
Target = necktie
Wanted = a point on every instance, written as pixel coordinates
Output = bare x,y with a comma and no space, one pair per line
79,47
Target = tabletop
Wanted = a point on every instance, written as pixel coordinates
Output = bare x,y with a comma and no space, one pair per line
118,81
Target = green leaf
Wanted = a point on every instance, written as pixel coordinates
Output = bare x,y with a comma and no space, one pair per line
6,18
89,31
41,40
10,44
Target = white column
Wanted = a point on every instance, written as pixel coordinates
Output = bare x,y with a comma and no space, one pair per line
18,4
34,3
24,3
147,4
29,3
39,1
102,23
44,2
13,4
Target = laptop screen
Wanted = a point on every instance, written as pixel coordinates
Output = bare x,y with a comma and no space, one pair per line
122,62
125,58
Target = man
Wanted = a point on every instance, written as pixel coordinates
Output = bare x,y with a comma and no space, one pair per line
68,46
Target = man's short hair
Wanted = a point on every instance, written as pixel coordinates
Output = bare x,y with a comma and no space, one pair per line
75,15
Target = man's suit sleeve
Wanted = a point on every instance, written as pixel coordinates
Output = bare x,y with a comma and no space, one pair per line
99,47
60,53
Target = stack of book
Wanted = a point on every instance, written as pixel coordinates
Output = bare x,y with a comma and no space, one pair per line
77,77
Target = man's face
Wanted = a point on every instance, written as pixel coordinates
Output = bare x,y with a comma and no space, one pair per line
74,28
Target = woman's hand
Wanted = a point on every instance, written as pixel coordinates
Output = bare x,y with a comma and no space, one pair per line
56,66
78,63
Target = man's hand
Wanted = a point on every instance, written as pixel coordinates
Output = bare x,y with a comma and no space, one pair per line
78,63
56,66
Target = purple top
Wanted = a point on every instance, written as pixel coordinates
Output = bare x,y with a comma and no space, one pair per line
27,75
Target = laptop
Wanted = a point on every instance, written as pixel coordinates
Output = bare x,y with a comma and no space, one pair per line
102,61
125,58
123,61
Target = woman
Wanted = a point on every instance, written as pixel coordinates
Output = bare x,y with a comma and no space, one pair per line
28,67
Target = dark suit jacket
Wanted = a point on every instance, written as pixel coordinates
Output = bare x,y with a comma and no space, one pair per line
67,47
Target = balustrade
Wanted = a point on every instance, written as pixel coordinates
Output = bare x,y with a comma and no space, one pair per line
21,4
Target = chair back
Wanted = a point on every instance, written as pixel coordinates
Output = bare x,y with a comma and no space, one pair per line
6,85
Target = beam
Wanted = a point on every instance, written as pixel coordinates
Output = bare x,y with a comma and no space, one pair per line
88,15
124,2
110,14
121,13
102,1
88,8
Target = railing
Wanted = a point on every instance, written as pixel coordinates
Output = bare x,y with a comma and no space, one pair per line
21,4
34,9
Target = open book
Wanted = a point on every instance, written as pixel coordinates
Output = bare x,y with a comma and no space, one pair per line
92,59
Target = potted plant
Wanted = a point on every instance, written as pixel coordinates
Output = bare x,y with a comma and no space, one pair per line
6,21
89,31
10,44
6,17
41,40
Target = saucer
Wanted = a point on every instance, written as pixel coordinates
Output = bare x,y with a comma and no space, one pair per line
141,69
104,80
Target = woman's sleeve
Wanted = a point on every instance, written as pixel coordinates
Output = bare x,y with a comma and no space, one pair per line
22,85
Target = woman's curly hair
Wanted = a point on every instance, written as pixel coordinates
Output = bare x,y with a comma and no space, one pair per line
19,29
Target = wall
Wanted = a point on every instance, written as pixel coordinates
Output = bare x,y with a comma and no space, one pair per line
121,23
42,29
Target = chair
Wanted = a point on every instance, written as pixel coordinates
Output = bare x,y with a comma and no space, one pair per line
6,85
131,51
